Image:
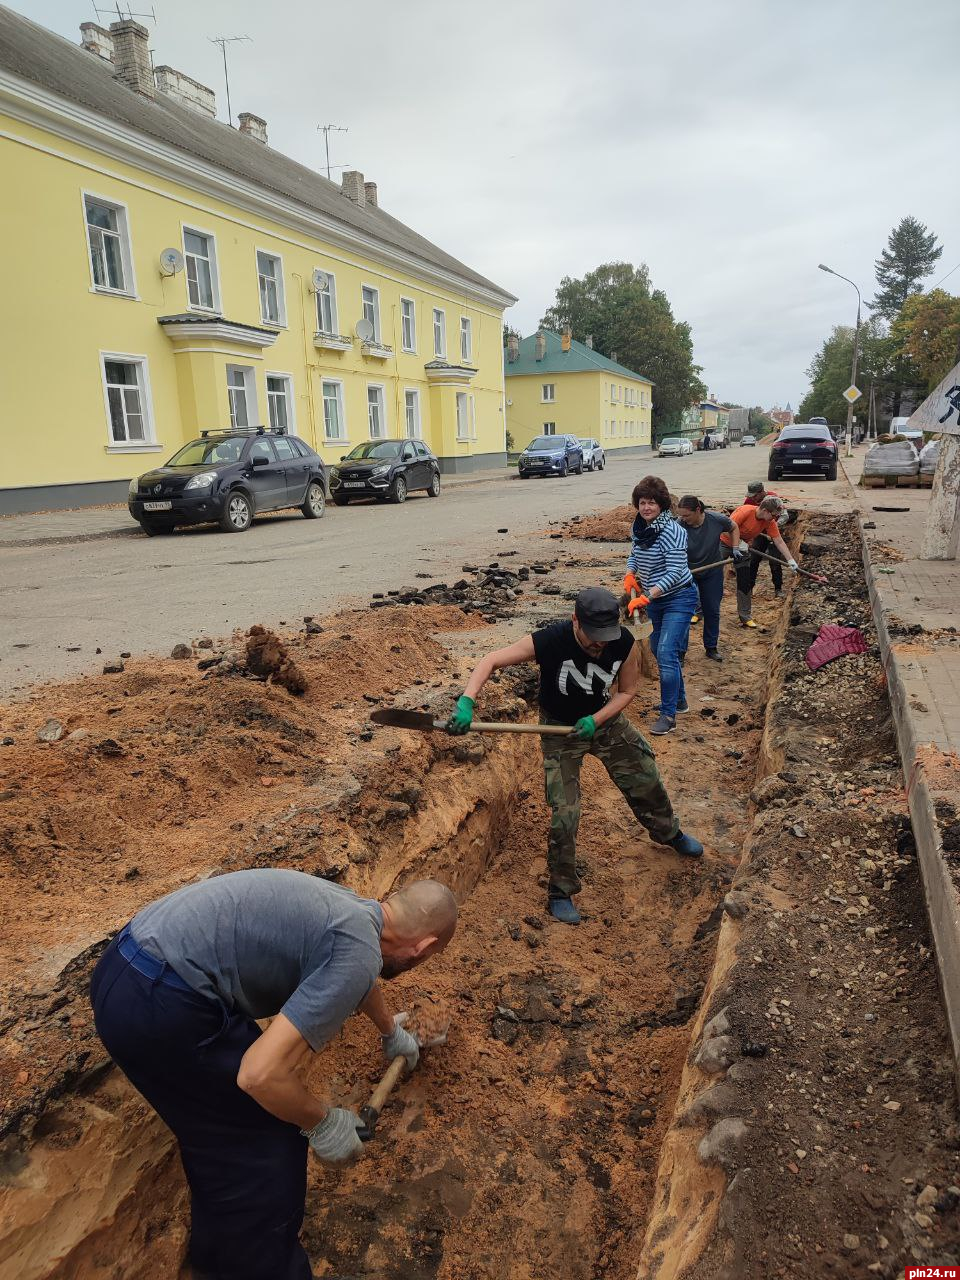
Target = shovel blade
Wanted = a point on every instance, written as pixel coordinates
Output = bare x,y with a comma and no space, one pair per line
402,719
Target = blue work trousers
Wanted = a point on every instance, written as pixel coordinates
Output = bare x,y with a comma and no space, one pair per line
247,1170
670,617
710,587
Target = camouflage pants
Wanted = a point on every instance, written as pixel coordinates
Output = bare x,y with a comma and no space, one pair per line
628,758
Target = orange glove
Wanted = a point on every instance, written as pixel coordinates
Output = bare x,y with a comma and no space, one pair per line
637,603
630,583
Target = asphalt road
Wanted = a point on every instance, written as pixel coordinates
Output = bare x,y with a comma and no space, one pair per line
60,603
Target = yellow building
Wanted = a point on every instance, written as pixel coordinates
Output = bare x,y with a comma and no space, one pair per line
556,386
713,417
166,272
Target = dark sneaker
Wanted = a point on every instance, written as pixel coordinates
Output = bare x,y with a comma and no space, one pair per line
562,909
686,845
714,655
682,707
663,725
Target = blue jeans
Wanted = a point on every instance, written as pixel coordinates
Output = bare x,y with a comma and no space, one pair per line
710,587
671,631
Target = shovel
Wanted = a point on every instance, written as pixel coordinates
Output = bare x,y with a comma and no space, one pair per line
423,722
370,1112
814,577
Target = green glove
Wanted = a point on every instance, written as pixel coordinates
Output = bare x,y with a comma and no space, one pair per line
462,718
585,728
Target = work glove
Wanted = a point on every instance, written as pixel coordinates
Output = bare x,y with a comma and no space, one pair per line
637,603
401,1043
585,728
335,1139
462,718
738,553
630,583
792,564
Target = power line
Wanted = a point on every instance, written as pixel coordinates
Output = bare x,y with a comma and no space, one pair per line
223,41
947,276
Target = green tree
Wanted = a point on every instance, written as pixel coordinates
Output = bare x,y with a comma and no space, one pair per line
632,323
760,423
927,332
510,332
910,256
829,371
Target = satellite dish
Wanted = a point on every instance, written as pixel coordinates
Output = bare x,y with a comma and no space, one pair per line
364,330
319,281
171,261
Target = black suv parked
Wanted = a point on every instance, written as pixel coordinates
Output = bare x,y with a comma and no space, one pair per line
805,449
384,469
229,477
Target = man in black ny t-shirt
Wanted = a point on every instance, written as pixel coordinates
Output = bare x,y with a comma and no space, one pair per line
589,673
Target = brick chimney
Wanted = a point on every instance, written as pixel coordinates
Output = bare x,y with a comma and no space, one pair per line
185,90
566,339
351,185
131,56
588,341
513,348
253,126
96,39
541,345
370,190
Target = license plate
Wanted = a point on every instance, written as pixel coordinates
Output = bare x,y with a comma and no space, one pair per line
802,462
354,484
157,506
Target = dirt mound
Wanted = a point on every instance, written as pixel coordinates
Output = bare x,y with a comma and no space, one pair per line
608,526
268,658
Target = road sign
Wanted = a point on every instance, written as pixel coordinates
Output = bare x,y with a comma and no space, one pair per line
851,394
941,409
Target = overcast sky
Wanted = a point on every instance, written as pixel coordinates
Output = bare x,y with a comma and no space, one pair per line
731,146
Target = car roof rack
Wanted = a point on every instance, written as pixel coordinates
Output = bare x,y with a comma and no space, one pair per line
243,431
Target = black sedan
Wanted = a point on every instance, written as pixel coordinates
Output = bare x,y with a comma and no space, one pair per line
228,477
385,469
804,449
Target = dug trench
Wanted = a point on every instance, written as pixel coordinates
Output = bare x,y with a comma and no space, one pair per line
559,1133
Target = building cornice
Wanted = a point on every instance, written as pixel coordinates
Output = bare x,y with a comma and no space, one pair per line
30,103
179,329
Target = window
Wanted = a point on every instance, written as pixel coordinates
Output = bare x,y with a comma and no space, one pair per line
262,449
241,395
284,449
548,392
375,413
421,450
126,391
109,241
280,400
408,324
473,417
370,299
270,277
463,427
334,427
411,408
201,260
466,339
327,306
549,428
439,333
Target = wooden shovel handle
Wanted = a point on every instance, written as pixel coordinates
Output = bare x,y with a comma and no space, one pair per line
489,726
384,1089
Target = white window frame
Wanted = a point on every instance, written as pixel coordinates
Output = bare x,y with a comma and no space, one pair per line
463,419
472,418
382,405
364,288
411,347
281,320
440,326
418,423
466,339
329,292
337,384
129,289
149,441
189,229
249,394
288,397
546,387
549,429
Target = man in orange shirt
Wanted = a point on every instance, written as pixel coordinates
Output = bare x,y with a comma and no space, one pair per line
756,522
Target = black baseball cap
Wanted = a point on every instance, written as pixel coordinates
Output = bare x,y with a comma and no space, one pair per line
599,614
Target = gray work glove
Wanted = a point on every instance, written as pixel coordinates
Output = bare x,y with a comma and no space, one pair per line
401,1042
335,1139
738,552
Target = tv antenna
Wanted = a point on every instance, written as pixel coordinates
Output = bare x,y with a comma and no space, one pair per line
223,41
326,130
125,14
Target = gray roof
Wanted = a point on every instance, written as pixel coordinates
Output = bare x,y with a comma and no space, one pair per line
33,53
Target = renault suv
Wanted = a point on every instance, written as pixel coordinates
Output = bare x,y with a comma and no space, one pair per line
228,477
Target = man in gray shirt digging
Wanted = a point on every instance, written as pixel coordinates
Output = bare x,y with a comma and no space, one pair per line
175,998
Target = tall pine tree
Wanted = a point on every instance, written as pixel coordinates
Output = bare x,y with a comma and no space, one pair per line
910,256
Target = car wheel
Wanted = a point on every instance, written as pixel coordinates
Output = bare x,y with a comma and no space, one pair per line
563,468
340,500
831,472
315,503
154,528
237,514
601,464
434,490
524,475
772,475
399,492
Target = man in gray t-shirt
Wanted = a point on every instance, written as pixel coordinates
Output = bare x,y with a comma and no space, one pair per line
175,999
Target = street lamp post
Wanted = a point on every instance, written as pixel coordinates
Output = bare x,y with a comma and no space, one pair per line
856,354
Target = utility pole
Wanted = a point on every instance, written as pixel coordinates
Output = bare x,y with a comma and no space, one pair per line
326,130
223,41
856,355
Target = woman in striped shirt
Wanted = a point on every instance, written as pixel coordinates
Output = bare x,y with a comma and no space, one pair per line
657,570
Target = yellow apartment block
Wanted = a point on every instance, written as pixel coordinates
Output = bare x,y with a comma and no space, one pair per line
556,386
167,273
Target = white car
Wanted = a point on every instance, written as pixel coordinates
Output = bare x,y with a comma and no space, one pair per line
675,447
594,458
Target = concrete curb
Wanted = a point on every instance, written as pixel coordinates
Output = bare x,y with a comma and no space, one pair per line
940,894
